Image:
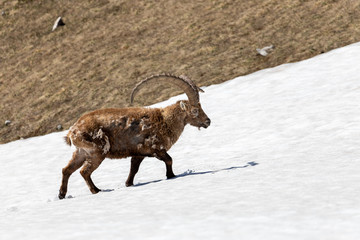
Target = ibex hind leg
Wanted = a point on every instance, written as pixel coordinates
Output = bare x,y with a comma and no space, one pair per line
77,160
90,165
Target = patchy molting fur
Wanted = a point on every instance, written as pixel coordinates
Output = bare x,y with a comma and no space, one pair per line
119,133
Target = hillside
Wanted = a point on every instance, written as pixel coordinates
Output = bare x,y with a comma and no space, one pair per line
49,78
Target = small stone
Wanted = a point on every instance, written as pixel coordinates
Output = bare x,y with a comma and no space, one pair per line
59,22
265,50
59,127
7,122
3,13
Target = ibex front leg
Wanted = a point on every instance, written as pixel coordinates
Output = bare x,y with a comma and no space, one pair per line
163,156
135,164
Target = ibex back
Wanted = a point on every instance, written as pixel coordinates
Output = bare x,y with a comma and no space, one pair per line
132,132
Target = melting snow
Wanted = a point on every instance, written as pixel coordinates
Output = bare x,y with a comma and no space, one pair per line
280,161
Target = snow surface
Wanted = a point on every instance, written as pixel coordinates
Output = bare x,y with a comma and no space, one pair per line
280,161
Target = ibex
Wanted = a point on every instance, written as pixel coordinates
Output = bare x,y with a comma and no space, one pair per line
132,132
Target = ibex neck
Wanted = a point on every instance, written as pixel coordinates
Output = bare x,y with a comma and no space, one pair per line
174,118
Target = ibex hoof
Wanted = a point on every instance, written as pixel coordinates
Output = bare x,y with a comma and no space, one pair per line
95,190
61,196
129,184
171,176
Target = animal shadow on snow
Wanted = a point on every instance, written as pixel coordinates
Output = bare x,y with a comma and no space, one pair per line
191,173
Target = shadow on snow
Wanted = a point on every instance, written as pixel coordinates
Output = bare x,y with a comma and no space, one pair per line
191,172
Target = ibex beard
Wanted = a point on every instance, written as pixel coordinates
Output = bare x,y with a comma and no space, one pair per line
132,132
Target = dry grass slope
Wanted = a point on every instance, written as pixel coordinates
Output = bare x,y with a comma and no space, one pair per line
49,78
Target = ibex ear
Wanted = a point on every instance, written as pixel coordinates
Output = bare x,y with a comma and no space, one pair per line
183,105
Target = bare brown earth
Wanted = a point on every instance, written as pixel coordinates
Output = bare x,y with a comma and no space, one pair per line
49,78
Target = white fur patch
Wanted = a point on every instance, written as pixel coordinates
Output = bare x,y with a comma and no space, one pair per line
101,135
106,148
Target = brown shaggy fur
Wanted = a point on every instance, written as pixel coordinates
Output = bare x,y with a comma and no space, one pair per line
128,132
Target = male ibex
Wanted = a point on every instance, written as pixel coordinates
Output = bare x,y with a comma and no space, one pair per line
132,132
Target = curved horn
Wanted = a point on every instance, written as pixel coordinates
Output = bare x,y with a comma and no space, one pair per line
183,82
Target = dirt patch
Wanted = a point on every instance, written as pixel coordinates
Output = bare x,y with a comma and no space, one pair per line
49,78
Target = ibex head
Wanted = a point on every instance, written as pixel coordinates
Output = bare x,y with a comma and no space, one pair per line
195,115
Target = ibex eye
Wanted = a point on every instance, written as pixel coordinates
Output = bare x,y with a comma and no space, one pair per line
195,111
